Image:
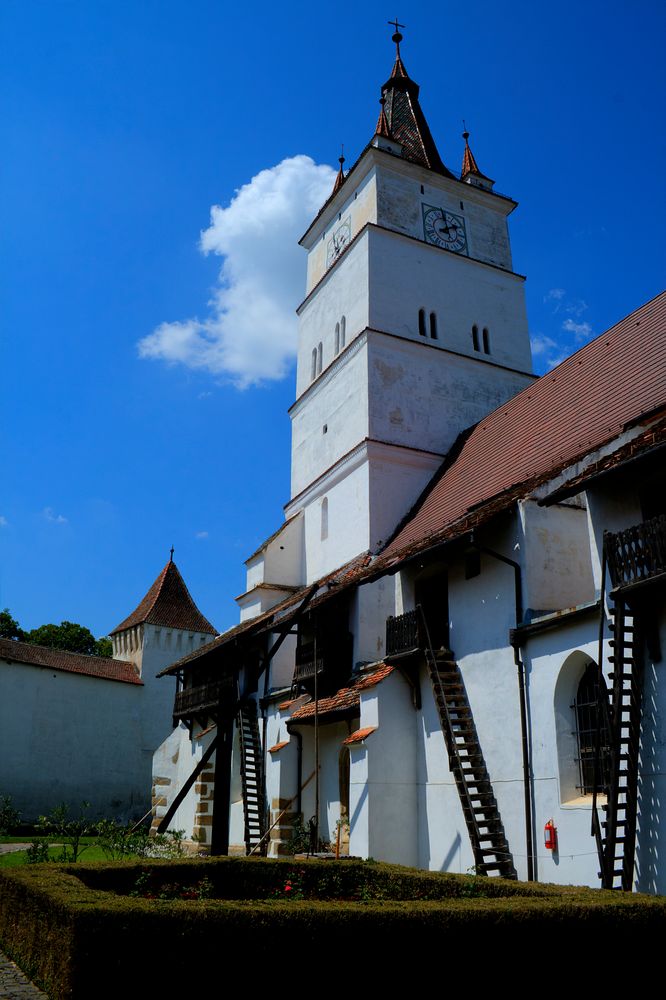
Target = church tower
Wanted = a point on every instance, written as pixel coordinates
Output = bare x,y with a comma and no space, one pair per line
413,328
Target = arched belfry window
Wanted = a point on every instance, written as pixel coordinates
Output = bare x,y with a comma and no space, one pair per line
475,338
337,338
486,341
433,326
343,332
422,323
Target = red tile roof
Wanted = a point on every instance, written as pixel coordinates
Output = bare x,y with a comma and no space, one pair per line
344,699
168,603
360,735
574,409
278,746
74,663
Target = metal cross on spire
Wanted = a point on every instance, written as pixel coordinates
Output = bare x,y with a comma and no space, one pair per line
397,37
172,551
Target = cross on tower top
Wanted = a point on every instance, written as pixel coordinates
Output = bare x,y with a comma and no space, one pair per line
397,37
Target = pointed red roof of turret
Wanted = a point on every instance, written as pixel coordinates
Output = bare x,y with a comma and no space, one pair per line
168,603
340,179
469,164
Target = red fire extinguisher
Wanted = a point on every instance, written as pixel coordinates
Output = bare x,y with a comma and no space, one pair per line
550,836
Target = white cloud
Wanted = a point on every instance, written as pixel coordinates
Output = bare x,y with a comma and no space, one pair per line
554,295
50,515
3,521
201,534
547,350
576,307
250,333
582,331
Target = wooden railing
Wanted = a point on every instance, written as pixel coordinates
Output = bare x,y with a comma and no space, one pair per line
329,654
637,553
202,698
403,632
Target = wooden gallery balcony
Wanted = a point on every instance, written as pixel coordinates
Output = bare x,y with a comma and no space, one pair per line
203,699
332,656
637,555
405,634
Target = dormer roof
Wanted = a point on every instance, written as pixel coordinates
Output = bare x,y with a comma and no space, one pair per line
168,603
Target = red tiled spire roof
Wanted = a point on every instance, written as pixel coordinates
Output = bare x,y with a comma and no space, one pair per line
469,164
382,124
406,122
571,411
168,603
340,179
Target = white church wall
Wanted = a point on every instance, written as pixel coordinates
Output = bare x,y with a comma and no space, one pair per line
391,779
331,736
173,762
460,291
358,204
421,397
398,476
370,607
556,556
332,419
400,206
280,560
554,663
67,737
343,292
337,530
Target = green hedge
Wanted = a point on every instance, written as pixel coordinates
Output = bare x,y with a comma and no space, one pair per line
75,930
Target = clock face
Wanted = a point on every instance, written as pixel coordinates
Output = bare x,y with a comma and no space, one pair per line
444,229
340,239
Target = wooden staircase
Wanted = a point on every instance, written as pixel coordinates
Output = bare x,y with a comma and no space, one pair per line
252,778
492,855
620,714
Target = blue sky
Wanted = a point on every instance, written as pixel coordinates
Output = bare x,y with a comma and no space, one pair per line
132,418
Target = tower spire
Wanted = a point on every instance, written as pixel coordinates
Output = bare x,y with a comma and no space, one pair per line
470,169
404,121
340,179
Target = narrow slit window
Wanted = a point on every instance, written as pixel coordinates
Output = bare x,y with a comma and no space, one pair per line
486,341
422,323
475,338
337,338
343,332
433,326
324,519
320,357
313,370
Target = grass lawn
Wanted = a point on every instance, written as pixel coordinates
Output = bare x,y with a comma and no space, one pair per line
16,858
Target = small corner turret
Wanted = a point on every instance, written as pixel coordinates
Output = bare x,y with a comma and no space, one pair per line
470,173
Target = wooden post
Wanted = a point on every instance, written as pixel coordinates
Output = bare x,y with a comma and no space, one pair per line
222,787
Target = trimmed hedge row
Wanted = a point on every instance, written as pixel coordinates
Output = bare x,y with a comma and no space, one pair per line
79,934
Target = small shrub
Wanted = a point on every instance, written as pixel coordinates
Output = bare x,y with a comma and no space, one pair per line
58,827
38,852
9,816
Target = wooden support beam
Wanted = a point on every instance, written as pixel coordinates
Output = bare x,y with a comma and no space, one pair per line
169,814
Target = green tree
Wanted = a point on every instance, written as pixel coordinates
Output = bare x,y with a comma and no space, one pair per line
70,636
9,627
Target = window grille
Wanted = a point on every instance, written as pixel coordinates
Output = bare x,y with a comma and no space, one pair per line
586,720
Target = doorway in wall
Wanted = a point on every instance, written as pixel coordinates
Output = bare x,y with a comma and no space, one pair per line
432,593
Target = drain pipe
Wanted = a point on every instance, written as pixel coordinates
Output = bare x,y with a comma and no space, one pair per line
520,667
